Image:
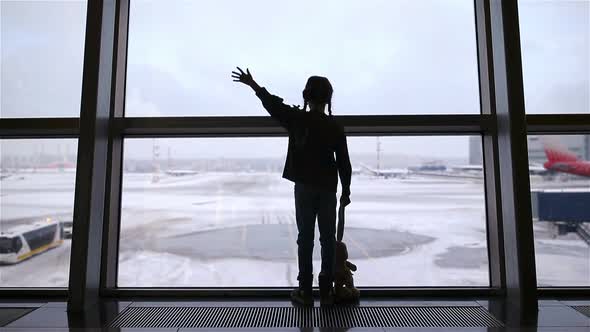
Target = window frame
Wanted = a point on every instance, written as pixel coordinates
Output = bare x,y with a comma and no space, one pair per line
482,124
500,80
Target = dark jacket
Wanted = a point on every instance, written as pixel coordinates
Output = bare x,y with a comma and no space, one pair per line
314,139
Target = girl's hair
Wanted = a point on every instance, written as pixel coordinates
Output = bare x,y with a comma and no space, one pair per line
318,90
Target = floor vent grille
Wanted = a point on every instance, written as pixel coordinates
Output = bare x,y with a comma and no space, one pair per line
584,309
274,317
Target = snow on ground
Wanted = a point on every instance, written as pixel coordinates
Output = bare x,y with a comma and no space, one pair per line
36,195
49,269
441,222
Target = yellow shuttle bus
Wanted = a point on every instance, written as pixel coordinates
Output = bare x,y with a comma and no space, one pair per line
25,241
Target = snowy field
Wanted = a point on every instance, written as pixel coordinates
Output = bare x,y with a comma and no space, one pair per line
238,230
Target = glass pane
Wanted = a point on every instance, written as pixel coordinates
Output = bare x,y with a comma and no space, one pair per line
41,53
215,212
382,56
555,41
37,179
560,184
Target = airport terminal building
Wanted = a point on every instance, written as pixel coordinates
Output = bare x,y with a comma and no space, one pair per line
141,172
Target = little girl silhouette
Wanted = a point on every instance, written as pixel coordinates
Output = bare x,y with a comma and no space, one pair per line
316,156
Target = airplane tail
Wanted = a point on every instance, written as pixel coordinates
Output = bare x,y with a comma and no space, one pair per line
556,152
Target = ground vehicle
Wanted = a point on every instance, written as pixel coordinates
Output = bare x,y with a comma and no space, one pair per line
26,241
67,228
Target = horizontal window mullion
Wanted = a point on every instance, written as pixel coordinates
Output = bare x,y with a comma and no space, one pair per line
33,292
39,127
266,126
558,123
569,292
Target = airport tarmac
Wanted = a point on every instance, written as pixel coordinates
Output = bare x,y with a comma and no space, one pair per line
238,229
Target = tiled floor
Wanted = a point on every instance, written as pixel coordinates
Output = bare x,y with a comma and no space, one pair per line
553,316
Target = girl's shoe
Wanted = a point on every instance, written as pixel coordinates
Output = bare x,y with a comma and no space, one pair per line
302,297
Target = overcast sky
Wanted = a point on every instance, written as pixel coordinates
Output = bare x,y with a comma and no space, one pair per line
382,57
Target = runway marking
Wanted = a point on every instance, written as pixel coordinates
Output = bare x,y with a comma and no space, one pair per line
358,245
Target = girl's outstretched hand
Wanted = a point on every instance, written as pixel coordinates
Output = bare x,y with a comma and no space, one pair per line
242,77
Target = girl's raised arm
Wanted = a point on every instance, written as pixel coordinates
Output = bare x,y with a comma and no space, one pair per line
286,115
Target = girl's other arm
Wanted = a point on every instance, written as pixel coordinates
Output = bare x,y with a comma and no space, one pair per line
344,169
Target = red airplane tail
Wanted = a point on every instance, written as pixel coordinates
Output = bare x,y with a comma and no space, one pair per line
559,153
561,159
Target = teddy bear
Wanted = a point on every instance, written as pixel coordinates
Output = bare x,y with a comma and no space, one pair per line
344,290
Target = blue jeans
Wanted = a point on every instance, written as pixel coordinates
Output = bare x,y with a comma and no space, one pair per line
309,203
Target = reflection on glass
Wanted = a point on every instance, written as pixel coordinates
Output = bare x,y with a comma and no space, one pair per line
37,180
41,58
382,57
215,212
555,41
560,184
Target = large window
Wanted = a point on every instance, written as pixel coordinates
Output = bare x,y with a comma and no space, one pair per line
37,180
41,53
200,202
215,212
383,57
560,184
555,41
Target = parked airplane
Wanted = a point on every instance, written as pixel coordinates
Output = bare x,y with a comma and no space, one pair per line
534,169
560,159
181,172
386,173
